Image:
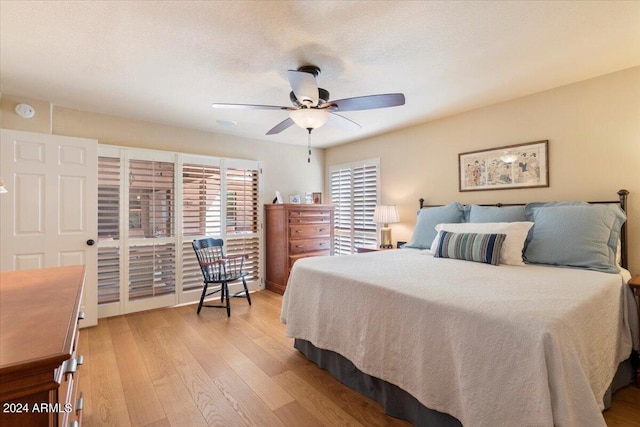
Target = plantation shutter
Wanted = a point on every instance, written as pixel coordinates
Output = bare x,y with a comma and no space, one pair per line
109,198
201,214
152,205
365,198
151,224
109,170
341,179
354,192
151,198
242,214
151,270
201,200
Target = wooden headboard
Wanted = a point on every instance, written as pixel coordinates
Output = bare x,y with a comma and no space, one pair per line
622,201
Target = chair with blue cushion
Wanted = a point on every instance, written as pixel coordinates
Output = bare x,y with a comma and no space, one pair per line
218,269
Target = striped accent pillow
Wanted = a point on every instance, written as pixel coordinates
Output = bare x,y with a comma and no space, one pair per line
476,247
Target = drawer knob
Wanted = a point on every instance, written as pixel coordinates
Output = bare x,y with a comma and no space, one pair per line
299,231
299,246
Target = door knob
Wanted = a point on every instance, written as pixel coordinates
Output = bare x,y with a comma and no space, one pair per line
91,242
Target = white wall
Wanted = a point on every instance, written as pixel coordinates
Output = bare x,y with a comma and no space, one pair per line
285,167
593,128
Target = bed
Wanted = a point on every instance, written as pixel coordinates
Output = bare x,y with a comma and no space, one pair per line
446,342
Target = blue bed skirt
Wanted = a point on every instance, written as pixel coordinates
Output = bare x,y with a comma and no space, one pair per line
400,404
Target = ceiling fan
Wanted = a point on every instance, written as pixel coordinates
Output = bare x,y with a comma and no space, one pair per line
312,108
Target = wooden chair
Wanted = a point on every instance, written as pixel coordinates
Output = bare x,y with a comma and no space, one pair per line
219,269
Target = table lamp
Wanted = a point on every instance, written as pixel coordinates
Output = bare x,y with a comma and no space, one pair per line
386,215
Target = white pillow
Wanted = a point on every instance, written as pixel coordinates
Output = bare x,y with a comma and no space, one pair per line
511,252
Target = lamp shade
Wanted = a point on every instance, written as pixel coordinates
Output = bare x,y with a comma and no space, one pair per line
309,118
384,214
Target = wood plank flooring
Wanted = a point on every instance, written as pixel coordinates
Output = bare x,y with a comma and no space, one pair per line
171,367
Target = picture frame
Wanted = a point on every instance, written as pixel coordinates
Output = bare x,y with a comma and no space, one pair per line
317,198
308,198
294,198
278,198
502,168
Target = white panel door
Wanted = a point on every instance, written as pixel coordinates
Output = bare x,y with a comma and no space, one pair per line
48,217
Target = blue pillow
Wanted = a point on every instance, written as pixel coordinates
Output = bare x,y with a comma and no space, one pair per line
582,236
528,212
476,247
428,218
528,209
497,214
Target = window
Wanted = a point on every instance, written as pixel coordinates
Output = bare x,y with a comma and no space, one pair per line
242,217
151,198
203,181
151,206
152,260
201,207
201,184
354,192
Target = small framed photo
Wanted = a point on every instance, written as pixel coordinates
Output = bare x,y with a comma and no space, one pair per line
294,198
317,198
278,198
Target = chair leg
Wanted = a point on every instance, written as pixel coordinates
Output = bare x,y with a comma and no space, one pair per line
204,291
222,292
226,292
246,291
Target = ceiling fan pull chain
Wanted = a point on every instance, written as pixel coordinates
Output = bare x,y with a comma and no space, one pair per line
309,145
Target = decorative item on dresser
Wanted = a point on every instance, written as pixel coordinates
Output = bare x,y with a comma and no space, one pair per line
39,313
292,232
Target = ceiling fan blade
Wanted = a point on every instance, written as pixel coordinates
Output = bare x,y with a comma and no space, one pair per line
369,102
250,106
281,126
304,87
342,123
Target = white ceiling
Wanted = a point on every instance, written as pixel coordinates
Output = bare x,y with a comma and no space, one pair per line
167,61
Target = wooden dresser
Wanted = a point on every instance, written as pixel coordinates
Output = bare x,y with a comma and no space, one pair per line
294,232
39,313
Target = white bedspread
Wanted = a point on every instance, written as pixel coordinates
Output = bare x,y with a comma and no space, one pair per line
491,345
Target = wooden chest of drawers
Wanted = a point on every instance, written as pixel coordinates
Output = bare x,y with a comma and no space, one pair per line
39,313
293,232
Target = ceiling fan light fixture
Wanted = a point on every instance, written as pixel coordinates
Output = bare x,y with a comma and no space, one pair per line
309,118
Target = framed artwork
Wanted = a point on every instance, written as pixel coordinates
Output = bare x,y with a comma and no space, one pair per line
513,166
294,198
317,198
308,198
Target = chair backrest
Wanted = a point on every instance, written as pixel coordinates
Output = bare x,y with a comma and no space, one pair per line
208,251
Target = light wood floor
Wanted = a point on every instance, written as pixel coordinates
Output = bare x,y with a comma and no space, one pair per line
170,367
